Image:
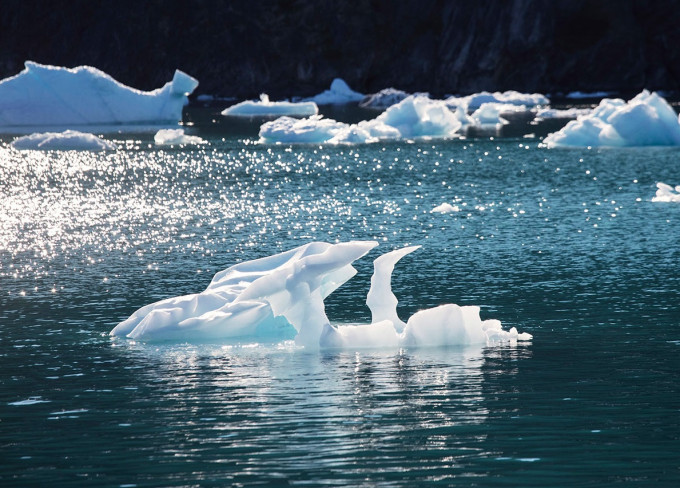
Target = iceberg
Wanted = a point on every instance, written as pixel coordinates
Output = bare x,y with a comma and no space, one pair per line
383,99
339,93
168,137
578,95
445,208
264,107
646,120
42,95
413,117
510,97
282,297
567,113
69,140
666,193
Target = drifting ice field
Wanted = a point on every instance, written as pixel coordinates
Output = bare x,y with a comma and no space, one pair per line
571,245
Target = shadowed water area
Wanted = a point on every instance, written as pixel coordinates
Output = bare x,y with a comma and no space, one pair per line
563,244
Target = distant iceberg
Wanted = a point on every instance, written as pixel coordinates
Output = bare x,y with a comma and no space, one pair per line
264,107
69,140
567,113
43,95
168,137
413,117
383,99
282,297
577,95
646,120
666,193
339,93
510,97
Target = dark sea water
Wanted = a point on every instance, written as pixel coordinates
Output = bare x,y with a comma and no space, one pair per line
564,244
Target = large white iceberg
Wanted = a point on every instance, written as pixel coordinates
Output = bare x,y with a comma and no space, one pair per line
666,193
339,93
265,107
413,117
646,120
69,140
50,95
282,296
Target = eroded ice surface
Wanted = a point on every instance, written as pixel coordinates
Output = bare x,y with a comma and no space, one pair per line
383,99
413,117
339,93
666,193
50,95
567,113
169,137
646,120
282,296
69,140
265,107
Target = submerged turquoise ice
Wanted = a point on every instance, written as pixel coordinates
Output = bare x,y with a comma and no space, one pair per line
565,244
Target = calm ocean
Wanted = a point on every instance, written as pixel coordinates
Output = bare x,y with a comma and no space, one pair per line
565,244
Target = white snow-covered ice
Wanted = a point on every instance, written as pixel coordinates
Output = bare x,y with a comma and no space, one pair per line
43,95
265,107
69,140
282,296
413,117
667,193
169,137
646,120
338,94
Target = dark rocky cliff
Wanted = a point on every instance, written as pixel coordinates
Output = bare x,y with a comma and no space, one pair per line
296,47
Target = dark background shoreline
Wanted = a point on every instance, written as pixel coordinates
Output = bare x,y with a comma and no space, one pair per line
296,47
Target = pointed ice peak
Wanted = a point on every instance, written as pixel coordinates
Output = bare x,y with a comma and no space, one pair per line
380,299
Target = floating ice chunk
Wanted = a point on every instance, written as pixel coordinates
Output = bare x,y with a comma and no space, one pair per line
666,193
415,116
51,95
383,99
646,120
69,140
167,137
568,113
282,296
272,297
510,97
579,94
490,114
419,116
445,208
338,94
314,129
264,107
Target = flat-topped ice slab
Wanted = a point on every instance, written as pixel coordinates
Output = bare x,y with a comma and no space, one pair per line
264,107
43,95
69,140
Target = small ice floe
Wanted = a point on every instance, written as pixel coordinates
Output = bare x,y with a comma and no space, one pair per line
566,113
51,95
264,107
338,94
445,208
69,140
666,193
385,98
646,120
282,296
490,113
510,97
170,137
578,95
